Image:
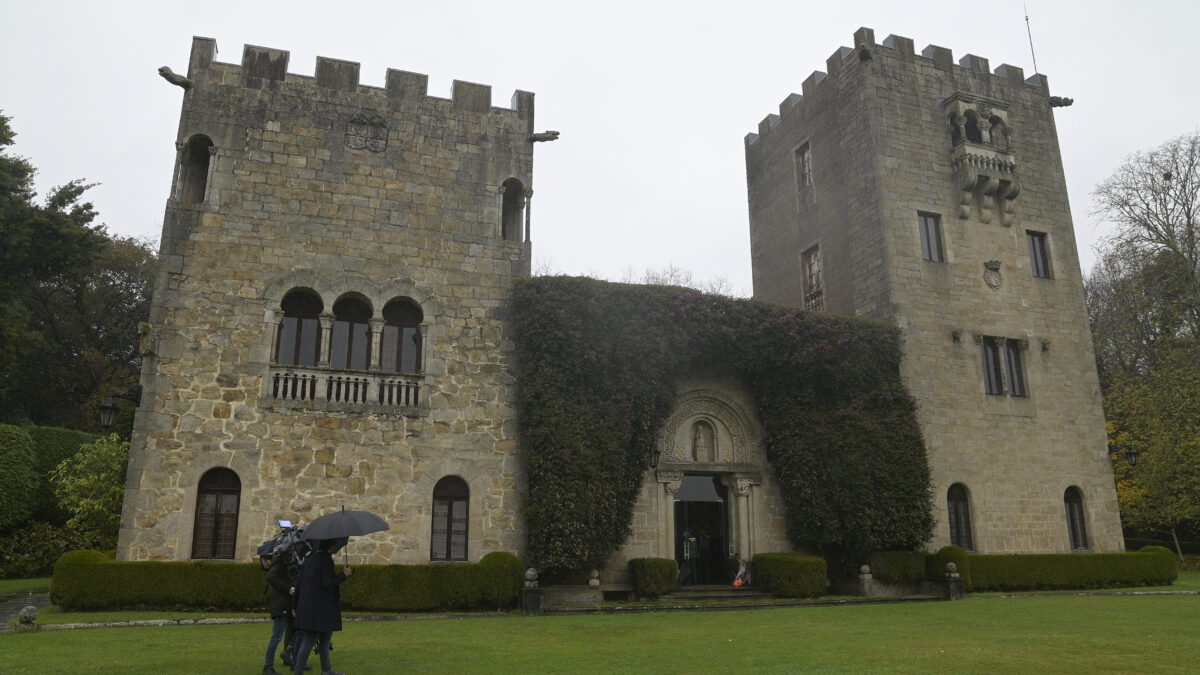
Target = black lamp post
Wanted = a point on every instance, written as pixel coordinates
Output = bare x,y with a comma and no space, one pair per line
108,411
1131,452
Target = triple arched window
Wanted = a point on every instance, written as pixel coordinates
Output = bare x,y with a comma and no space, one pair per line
351,338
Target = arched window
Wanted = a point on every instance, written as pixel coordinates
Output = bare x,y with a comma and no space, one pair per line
959,516
449,532
350,347
299,337
401,350
511,226
974,133
1076,527
193,169
215,532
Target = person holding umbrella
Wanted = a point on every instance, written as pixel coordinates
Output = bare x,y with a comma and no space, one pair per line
318,607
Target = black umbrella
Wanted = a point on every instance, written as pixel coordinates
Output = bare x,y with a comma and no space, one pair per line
342,524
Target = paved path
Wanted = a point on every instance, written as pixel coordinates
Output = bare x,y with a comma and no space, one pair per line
10,607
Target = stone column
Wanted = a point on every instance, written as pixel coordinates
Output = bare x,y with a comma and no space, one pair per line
528,209
326,340
376,362
743,488
670,482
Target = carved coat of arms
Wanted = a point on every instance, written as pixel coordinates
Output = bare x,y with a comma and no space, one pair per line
991,274
367,130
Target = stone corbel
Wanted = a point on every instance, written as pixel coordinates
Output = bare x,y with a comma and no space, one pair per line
988,186
966,186
1009,189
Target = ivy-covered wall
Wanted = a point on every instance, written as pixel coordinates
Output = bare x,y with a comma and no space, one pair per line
598,364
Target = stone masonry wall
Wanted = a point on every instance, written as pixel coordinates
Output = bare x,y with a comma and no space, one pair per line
325,184
1015,455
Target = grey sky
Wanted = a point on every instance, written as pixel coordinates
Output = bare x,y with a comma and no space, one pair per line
653,99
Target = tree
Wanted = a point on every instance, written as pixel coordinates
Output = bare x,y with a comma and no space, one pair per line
1144,308
91,485
70,301
1159,414
1154,199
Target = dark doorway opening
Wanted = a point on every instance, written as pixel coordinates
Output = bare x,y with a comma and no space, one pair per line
702,532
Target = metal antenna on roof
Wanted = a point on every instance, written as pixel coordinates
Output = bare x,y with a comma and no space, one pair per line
1030,33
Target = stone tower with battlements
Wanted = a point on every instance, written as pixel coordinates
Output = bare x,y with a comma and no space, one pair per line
929,193
327,324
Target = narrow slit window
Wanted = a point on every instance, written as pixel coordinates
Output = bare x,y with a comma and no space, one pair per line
931,237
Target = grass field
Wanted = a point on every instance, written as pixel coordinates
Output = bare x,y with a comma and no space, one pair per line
1061,633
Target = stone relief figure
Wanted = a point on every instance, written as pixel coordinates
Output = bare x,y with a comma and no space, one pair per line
703,445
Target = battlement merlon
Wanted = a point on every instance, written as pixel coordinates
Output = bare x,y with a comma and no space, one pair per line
902,47
261,66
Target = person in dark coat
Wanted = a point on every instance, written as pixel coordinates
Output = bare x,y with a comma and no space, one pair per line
318,607
283,590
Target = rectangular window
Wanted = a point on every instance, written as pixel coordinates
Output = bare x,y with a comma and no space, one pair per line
1039,261
993,379
931,236
1012,366
1002,369
804,167
814,287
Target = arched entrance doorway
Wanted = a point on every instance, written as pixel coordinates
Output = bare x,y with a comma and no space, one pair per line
702,521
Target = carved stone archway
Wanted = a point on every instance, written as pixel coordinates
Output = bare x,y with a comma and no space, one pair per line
710,433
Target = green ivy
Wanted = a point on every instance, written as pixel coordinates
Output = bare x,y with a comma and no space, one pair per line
599,363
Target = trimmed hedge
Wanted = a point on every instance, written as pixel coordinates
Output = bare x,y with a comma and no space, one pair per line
51,445
1151,566
935,565
790,575
88,580
899,567
18,480
653,577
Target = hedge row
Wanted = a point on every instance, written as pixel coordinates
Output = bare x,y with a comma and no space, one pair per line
899,567
790,575
89,580
653,577
1151,566
31,551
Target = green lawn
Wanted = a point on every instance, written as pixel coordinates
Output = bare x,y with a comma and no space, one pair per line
981,634
11,587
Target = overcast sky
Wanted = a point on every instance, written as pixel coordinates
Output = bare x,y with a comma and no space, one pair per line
653,99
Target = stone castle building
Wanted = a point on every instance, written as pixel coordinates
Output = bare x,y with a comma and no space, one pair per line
908,188
329,323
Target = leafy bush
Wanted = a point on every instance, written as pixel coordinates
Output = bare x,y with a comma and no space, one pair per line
790,575
32,550
91,484
599,363
935,565
51,445
898,567
653,577
89,580
1152,566
17,478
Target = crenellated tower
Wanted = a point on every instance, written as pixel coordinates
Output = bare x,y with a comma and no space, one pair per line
910,188
328,322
